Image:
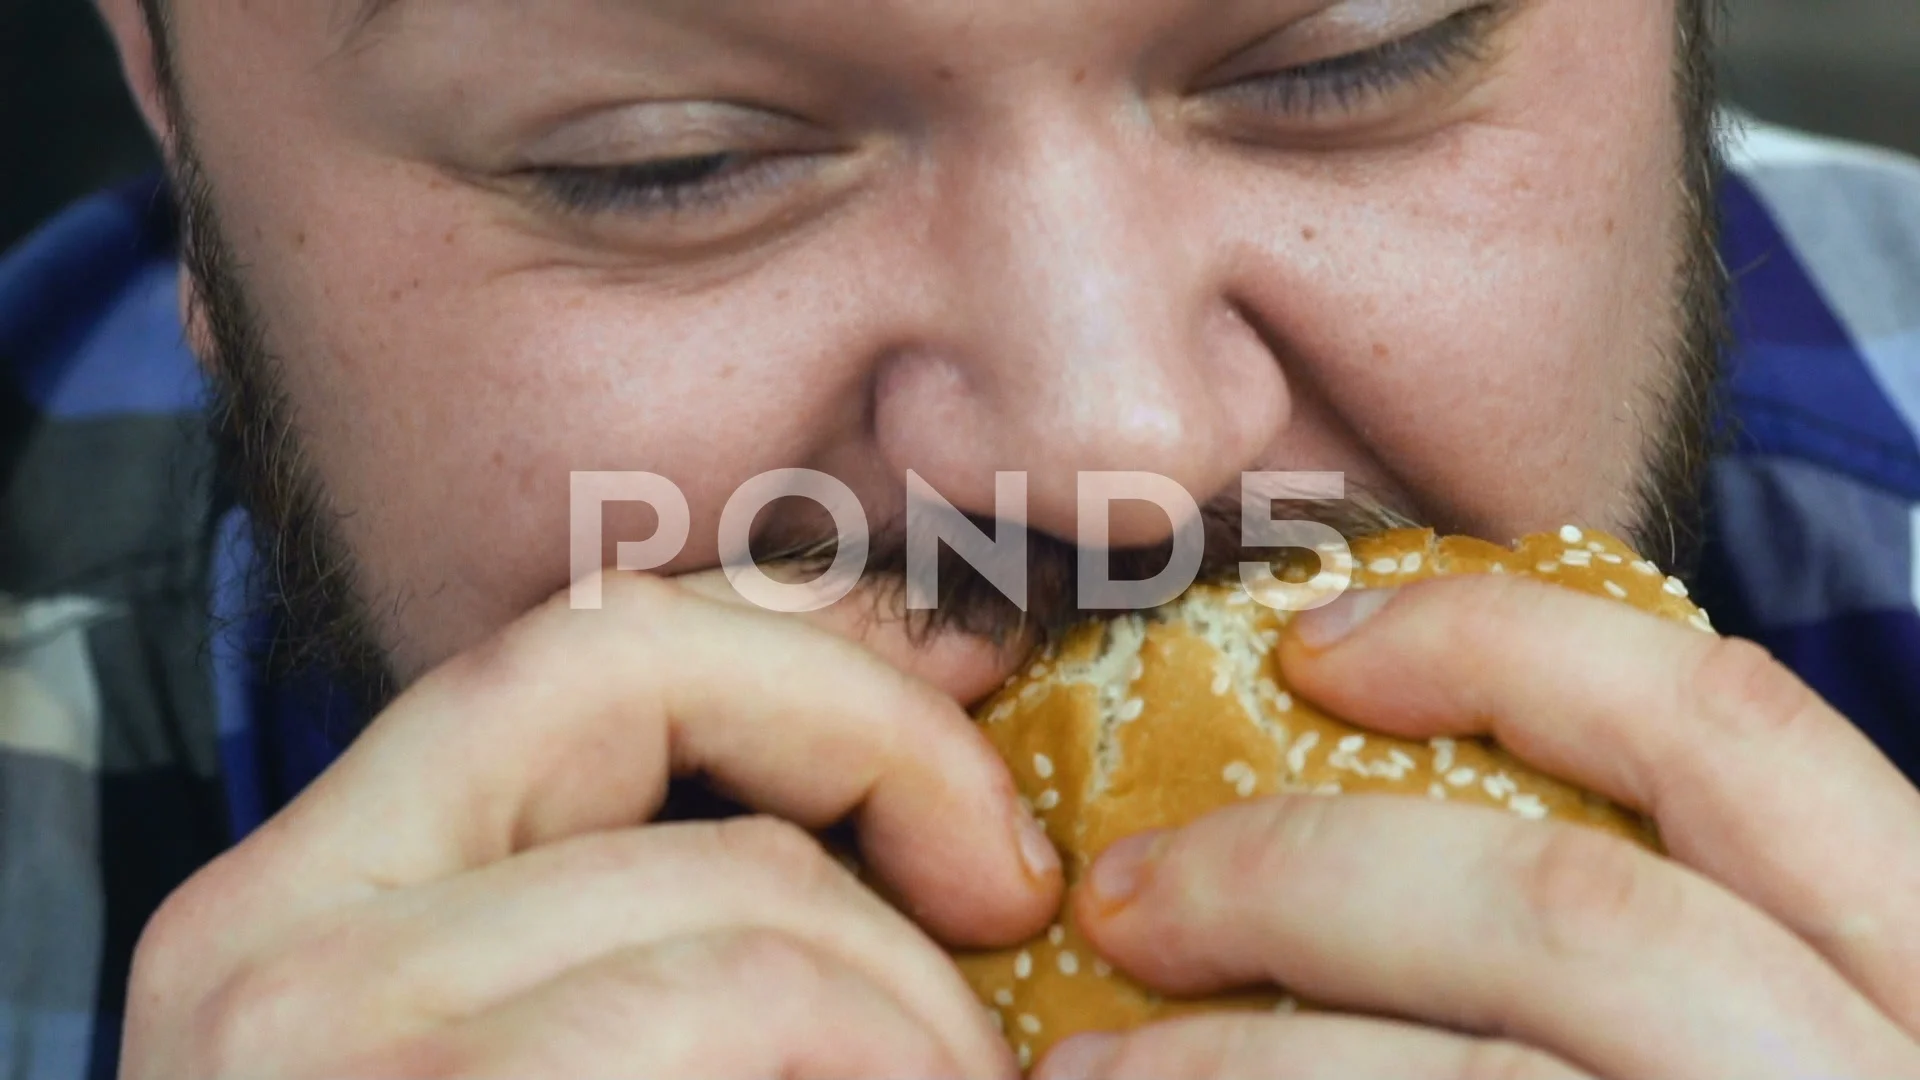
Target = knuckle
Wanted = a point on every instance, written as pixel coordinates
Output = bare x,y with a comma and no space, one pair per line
161,956
1503,1059
1269,847
1585,894
526,647
181,939
257,1009
1739,686
1482,609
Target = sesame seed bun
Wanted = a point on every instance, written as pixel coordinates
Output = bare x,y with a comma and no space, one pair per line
1153,720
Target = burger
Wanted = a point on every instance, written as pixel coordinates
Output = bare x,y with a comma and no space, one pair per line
1154,719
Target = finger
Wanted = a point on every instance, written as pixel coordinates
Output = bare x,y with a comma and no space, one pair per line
1753,779
1562,937
744,1005
572,721
965,667
1259,1046
458,947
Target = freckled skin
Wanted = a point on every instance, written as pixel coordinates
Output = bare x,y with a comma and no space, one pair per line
1043,268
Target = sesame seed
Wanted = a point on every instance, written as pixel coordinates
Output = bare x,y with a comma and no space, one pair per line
1048,800
1102,969
1614,590
1699,622
1675,587
1025,1054
1023,965
1610,557
1131,708
1352,744
1222,682
1003,997
1547,567
1383,566
1461,777
1029,1023
1647,568
1573,557
1596,546
1500,785
1436,791
1297,753
1069,963
1572,534
1400,758
1000,712
1056,934
1135,670
1527,806
1246,786
1498,568
1442,753
1283,701
1043,766
1411,563
1235,770
1037,671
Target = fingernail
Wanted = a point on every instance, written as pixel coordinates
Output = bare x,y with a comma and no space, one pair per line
1082,1057
1323,628
1122,869
1036,850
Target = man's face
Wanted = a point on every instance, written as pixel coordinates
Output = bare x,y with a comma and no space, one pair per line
1438,245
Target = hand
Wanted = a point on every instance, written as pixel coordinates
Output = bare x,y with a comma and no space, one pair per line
470,891
1781,940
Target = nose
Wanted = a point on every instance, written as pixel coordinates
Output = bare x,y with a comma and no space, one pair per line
1088,327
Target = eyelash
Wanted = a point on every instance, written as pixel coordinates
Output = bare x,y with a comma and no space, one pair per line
1345,83
674,186
665,187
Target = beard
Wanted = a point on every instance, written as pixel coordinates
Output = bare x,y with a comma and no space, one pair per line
325,620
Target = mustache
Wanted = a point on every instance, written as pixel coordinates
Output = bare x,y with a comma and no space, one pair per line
969,603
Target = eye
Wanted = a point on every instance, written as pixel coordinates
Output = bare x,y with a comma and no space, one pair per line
663,187
1342,86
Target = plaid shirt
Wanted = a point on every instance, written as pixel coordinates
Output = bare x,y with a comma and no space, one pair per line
138,739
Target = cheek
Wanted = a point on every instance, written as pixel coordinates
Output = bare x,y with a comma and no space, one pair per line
446,401
1489,314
